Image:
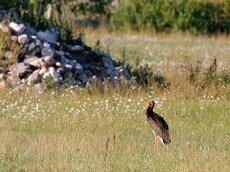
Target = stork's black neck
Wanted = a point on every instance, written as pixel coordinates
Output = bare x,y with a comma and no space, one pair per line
149,112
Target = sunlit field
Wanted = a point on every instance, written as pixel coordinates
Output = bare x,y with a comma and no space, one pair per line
162,48
85,130
70,131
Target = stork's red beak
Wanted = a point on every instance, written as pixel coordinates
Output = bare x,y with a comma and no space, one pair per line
147,105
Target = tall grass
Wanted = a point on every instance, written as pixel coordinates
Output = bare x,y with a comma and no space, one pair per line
8,46
75,131
182,63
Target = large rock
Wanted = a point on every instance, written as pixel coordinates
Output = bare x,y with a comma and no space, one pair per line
30,59
56,76
58,64
123,72
65,60
34,77
78,69
52,73
14,81
35,48
17,28
38,42
108,64
23,39
60,70
31,46
38,63
60,53
69,64
43,70
20,70
48,36
76,49
41,62
47,50
49,60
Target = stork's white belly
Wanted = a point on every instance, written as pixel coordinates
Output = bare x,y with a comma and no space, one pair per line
159,137
161,140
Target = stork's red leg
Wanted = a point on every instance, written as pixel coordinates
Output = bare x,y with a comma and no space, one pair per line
157,142
154,143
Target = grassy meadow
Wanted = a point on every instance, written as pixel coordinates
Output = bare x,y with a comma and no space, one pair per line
155,48
84,130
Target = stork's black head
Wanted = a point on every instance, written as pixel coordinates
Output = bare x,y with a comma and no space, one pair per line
149,106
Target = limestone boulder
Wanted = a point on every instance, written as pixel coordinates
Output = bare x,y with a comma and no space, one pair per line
48,36
20,70
18,29
23,39
34,77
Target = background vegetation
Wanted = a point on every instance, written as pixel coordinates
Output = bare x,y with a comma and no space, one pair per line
168,15
195,16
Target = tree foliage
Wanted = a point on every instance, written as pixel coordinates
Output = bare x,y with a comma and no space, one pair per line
167,15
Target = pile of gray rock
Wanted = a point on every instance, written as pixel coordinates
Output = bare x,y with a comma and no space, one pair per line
42,57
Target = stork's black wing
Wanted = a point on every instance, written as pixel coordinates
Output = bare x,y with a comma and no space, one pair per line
160,128
161,122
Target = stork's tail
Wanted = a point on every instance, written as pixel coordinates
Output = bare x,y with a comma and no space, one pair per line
165,139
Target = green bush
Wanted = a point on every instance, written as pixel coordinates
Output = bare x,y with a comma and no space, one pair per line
202,78
202,17
144,75
167,15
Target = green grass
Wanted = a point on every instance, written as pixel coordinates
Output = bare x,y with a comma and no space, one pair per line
175,57
69,131
161,48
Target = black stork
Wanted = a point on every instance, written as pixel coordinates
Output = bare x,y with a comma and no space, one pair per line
158,125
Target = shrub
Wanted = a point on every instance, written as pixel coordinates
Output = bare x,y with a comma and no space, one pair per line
201,17
167,15
210,75
145,76
202,78
49,83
